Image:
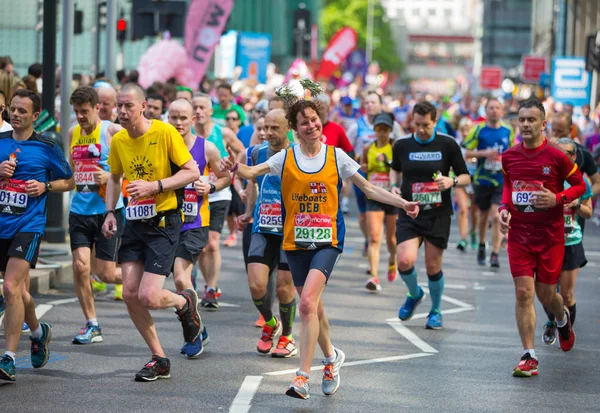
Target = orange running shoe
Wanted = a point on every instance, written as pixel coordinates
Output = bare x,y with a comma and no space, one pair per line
265,344
285,348
231,241
299,388
392,273
260,322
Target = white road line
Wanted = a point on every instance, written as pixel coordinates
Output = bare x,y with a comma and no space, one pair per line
592,253
42,309
451,300
227,305
355,363
591,264
241,403
412,337
63,301
488,273
444,312
455,286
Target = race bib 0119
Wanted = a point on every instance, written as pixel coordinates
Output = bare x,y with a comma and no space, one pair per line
13,196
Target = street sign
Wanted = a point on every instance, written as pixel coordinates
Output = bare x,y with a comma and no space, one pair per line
491,77
533,66
545,80
570,81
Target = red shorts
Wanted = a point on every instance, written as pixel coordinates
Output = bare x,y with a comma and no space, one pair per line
544,262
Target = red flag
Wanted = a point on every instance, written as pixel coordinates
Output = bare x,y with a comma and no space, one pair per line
338,49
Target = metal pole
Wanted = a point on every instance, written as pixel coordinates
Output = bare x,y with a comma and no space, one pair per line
66,73
370,31
111,40
49,57
594,96
97,40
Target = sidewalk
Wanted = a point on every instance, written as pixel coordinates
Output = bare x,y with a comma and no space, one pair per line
54,267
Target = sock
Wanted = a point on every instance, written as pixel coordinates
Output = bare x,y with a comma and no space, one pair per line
561,324
410,279
264,306
10,354
481,245
530,351
93,321
573,312
331,359
38,332
303,374
287,313
272,322
436,288
550,315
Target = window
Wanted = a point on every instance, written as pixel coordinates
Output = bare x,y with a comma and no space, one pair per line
432,12
415,12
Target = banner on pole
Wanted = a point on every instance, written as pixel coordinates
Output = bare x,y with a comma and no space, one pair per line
338,49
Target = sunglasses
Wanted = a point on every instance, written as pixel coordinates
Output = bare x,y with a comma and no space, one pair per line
232,118
571,153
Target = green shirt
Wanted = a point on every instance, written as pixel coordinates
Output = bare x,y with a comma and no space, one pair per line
219,114
573,233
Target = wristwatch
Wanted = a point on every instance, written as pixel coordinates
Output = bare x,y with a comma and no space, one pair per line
455,181
48,186
108,211
213,188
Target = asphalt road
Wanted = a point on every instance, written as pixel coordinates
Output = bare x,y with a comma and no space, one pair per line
390,366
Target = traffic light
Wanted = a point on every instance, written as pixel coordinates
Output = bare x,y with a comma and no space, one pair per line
78,22
121,29
301,38
592,53
101,15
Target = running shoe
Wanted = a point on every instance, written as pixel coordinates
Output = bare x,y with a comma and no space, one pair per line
194,349
217,295
2,305
481,254
39,347
98,287
494,261
157,368
474,242
408,308
462,245
25,329
299,388
190,317
285,348
231,241
265,343
549,336
89,334
118,295
331,373
7,368
205,341
392,273
260,322
345,205
211,300
566,335
434,320
373,285
527,367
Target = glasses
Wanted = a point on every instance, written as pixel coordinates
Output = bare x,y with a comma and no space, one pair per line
571,153
232,118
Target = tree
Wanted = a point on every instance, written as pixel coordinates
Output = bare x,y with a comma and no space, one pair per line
339,13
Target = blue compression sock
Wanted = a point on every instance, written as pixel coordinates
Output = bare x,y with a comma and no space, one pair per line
436,289
410,279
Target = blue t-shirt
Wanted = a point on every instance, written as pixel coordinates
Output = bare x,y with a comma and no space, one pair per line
38,158
482,137
245,135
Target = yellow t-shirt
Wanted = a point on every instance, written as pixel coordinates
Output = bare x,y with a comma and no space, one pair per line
153,156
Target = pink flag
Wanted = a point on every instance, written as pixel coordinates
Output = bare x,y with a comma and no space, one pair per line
203,27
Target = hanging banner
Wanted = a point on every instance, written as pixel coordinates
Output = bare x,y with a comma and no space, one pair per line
204,24
338,49
254,55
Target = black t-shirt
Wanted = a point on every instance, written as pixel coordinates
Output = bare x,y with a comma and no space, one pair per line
418,162
585,160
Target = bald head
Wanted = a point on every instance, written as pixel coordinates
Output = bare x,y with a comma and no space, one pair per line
134,89
276,129
107,97
181,116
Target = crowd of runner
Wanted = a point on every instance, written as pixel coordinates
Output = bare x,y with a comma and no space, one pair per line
156,174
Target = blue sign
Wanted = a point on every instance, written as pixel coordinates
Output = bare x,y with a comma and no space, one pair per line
545,80
225,55
253,55
570,81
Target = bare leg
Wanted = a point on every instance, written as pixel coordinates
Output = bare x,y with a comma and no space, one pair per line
310,296
374,220
210,260
524,309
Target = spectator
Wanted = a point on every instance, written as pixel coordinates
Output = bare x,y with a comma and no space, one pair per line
134,76
155,107
4,125
30,83
7,65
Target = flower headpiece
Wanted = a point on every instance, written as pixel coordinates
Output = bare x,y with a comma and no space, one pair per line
289,94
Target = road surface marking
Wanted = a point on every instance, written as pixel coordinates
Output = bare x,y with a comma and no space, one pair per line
241,403
412,337
42,309
451,300
488,273
444,312
63,301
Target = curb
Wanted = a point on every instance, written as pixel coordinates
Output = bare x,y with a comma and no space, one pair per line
46,277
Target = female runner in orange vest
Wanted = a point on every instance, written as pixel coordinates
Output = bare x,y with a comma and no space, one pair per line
313,228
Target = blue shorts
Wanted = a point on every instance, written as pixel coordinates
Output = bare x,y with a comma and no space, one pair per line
361,198
301,262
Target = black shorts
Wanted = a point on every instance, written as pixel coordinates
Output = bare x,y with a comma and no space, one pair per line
154,246
191,243
374,206
486,196
434,229
266,249
574,257
86,232
301,262
236,207
24,245
218,212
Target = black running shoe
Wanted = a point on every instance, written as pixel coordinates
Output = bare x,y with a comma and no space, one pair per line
481,254
494,261
549,336
190,316
157,368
